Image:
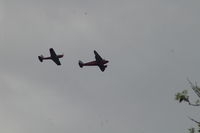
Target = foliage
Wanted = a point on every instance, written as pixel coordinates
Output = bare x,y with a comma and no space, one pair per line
191,130
184,97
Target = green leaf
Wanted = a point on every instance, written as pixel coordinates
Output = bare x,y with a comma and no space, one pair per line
191,130
177,96
182,96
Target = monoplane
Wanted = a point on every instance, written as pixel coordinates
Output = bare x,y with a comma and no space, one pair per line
100,62
53,56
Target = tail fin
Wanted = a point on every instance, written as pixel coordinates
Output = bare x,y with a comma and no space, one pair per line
40,58
80,63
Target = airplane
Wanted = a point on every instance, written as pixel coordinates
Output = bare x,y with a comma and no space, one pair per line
100,62
53,56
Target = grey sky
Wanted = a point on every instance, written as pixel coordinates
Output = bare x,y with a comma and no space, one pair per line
152,46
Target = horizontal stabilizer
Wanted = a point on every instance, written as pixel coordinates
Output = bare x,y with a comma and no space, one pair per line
80,63
40,58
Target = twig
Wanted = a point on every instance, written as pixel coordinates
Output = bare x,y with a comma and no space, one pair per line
194,87
193,104
194,120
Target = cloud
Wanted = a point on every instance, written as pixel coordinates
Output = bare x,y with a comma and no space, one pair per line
152,47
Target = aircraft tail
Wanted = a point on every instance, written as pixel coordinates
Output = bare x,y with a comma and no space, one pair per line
80,63
41,58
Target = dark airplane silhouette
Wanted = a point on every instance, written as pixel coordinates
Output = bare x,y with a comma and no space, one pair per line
53,56
98,62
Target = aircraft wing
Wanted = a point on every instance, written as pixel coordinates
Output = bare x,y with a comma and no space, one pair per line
97,56
102,67
54,56
52,52
56,60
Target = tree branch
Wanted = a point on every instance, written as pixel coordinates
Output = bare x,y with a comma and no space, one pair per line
191,104
195,87
194,120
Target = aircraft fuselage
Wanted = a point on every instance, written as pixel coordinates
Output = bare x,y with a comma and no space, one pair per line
96,63
51,57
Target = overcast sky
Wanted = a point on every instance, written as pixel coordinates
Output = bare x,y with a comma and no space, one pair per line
152,46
